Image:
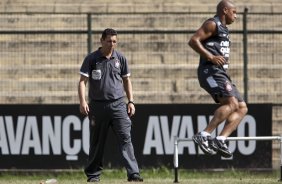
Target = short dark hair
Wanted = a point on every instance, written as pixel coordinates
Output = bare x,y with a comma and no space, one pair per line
222,4
108,31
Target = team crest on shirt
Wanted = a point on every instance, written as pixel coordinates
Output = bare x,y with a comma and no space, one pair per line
228,86
117,63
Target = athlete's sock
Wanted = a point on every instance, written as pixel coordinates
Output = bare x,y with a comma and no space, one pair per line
205,134
223,138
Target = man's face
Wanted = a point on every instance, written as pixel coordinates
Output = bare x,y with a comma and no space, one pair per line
109,43
230,15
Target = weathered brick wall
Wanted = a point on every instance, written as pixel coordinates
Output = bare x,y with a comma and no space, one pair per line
132,5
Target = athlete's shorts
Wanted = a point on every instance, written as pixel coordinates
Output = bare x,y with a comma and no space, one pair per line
217,82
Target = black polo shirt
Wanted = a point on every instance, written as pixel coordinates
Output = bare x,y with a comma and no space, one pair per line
105,75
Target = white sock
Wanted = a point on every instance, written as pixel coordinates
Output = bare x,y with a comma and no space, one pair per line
223,138
205,134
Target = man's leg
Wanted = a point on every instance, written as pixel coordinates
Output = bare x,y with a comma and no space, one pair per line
228,105
122,129
99,125
121,125
231,124
203,139
234,120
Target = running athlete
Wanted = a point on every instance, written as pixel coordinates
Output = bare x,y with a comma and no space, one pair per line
107,71
212,43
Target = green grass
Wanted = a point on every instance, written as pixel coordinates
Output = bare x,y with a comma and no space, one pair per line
154,176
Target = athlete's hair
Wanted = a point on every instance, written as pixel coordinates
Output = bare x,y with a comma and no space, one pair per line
108,31
222,4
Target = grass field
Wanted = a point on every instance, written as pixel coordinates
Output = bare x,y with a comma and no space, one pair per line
154,176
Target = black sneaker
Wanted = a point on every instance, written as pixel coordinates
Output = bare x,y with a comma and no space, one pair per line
212,144
135,178
222,148
203,143
93,179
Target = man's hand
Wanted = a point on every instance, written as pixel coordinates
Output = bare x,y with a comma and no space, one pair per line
84,108
218,60
130,109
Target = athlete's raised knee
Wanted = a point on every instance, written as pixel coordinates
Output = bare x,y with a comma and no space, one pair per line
233,104
243,108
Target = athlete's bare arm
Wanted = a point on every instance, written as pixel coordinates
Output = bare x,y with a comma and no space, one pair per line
207,30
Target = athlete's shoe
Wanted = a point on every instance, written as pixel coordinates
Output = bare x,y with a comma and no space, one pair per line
212,144
135,178
204,143
221,148
93,179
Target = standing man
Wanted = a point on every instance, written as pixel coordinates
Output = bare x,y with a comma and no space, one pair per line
212,43
108,74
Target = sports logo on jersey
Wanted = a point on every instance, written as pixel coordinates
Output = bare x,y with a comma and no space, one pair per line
228,86
117,63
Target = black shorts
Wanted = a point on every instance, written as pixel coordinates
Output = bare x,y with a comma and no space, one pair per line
217,83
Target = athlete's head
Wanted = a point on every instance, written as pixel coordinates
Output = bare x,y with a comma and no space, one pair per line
227,10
